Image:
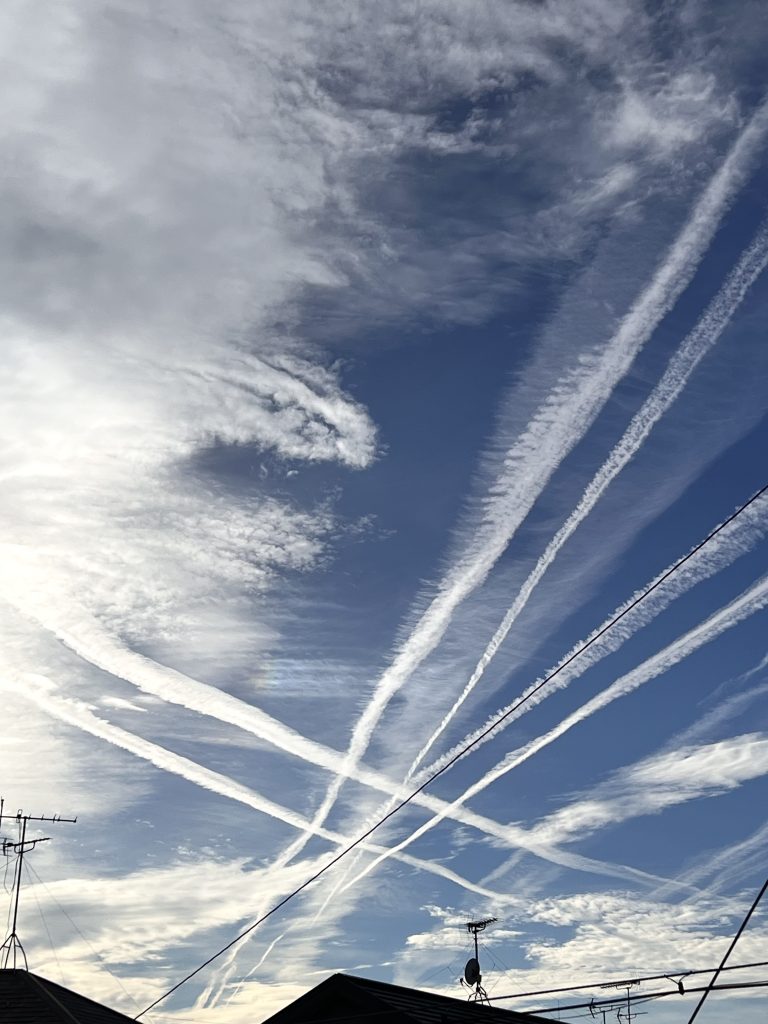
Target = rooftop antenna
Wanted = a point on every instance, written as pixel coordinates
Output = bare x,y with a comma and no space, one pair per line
12,947
629,1015
472,975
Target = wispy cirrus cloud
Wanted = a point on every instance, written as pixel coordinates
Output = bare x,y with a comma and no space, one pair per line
203,211
660,781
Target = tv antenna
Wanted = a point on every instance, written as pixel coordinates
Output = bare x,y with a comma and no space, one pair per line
472,975
629,1015
12,947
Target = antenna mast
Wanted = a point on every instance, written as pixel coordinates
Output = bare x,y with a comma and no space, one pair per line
472,975
12,946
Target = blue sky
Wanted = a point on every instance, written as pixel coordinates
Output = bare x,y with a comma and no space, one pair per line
360,362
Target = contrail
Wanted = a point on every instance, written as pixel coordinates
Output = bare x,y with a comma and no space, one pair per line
190,693
682,364
696,345
37,689
730,865
735,540
732,542
89,641
318,754
561,421
750,601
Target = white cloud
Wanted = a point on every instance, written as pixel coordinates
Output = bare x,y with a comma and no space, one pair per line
658,782
668,112
152,912
599,936
183,185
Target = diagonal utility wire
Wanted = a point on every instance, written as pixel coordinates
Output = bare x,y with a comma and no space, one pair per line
45,925
728,952
464,750
89,944
677,977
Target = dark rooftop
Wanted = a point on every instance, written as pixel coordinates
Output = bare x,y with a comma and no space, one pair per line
26,998
345,997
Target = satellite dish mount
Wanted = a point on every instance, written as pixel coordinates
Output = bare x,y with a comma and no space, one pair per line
472,975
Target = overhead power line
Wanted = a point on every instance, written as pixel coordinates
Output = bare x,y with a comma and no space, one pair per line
464,750
728,952
621,982
641,997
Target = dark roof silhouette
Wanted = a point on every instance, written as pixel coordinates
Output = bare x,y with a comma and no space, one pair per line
343,997
26,998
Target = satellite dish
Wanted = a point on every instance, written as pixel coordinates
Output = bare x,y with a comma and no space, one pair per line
472,971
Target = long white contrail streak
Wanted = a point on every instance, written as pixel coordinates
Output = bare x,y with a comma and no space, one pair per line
39,691
685,360
190,693
89,641
558,425
315,753
750,601
734,541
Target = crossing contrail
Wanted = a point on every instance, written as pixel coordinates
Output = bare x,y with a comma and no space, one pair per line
682,364
560,422
39,691
732,542
750,601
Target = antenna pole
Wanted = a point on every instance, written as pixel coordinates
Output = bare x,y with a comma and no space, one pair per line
472,971
19,868
12,946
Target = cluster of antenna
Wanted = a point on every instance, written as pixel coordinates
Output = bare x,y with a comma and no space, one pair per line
12,949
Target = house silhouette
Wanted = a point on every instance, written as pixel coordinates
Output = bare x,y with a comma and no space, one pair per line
346,998
27,998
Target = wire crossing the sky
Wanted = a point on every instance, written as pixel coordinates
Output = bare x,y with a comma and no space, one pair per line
464,750
675,976
728,952
640,997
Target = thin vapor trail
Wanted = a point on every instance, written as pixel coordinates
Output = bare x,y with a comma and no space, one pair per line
730,865
177,688
750,601
89,641
37,689
204,1001
682,364
560,422
734,540
320,755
